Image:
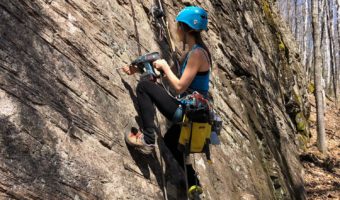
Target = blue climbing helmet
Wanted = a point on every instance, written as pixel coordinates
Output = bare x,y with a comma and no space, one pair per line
195,17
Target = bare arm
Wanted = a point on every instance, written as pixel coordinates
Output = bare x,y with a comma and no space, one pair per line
129,70
193,65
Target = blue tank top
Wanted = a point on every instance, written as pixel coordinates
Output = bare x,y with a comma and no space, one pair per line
201,80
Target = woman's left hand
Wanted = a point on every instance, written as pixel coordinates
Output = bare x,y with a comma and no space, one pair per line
161,65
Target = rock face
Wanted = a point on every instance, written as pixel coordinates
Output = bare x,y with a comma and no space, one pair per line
64,107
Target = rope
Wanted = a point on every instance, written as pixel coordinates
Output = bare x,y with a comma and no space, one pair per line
154,10
185,173
164,28
136,29
159,155
196,174
165,23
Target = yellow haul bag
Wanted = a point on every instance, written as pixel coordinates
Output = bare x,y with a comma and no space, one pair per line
200,133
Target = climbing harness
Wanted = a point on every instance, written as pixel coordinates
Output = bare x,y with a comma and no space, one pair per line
198,125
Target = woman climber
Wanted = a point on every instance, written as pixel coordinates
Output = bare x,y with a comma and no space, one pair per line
194,76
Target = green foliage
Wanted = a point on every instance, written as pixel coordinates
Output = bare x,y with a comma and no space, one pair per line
301,121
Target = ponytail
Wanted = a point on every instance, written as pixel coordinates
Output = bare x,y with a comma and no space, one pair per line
198,39
200,42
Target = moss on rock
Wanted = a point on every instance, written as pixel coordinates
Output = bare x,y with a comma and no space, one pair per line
311,88
301,122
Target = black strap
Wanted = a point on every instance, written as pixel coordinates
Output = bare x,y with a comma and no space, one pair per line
202,73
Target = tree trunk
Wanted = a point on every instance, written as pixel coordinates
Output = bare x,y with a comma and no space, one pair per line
309,42
325,50
289,14
304,36
332,44
296,17
322,146
337,68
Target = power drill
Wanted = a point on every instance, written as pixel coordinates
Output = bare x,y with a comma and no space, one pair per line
144,64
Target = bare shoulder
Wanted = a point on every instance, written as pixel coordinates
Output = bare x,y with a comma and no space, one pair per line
199,57
198,54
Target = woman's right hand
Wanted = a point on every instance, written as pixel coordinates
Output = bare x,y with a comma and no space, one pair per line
129,69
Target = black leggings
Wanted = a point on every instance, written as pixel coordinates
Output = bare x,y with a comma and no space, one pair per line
148,94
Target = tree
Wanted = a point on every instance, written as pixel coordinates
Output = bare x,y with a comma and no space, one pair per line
332,48
337,68
305,31
307,49
322,146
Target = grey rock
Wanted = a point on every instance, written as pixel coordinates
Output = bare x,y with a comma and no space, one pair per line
64,107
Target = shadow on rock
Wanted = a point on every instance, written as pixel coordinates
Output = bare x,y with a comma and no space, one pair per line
29,144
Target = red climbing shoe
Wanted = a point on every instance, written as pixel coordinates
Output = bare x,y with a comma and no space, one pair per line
136,138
